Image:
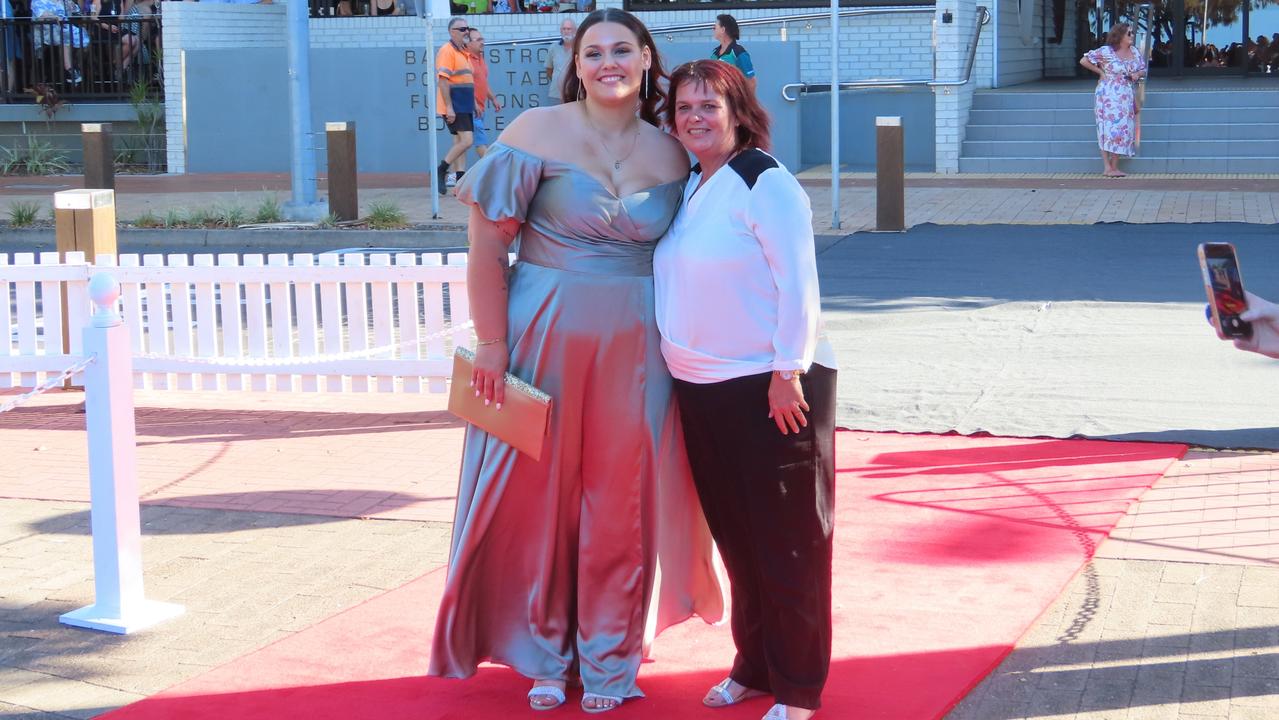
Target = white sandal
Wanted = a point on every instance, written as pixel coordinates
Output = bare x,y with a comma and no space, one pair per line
596,697
727,697
778,712
550,691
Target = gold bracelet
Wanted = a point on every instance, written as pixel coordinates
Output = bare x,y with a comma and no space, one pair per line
494,341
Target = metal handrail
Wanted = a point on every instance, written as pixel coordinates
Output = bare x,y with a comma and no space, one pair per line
983,17
1147,42
743,22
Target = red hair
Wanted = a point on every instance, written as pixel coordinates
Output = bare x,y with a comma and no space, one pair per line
726,80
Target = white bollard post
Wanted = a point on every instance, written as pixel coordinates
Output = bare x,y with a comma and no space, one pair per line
119,605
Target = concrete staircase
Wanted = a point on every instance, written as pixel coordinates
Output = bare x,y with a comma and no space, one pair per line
1200,129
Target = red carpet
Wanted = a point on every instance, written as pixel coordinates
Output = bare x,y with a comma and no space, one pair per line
947,549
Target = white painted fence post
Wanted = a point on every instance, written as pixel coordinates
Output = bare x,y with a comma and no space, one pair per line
119,604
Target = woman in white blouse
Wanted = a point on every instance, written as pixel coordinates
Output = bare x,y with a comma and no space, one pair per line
739,313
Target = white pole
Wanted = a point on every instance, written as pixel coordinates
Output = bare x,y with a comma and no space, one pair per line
834,114
428,12
119,604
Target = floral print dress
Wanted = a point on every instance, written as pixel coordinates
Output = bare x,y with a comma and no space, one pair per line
1115,103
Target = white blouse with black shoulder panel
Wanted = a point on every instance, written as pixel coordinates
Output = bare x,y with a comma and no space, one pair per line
736,275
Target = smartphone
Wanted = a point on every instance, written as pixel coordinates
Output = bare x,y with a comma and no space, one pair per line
1224,285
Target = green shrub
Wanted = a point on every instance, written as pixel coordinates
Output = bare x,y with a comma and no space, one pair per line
268,211
44,159
37,158
233,215
202,217
148,220
386,215
23,213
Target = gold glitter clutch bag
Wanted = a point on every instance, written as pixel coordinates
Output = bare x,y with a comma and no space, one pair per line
524,420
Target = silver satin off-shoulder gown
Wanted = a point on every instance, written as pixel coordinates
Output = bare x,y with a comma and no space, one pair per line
571,564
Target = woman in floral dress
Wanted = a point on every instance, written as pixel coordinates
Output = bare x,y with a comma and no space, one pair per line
1120,67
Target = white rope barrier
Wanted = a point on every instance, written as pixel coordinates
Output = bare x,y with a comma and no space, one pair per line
305,359
48,384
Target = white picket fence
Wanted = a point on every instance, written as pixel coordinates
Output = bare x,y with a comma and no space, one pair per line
311,323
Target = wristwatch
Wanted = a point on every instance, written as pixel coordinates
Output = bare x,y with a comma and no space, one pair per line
789,375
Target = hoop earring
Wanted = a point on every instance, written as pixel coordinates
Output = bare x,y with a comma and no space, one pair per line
644,87
581,91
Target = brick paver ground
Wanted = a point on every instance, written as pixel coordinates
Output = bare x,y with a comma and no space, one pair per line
246,579
1178,616
208,462
372,456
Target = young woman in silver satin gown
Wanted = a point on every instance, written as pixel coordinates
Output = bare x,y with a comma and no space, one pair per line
553,568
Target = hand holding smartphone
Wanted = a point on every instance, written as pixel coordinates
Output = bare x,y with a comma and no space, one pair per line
1224,285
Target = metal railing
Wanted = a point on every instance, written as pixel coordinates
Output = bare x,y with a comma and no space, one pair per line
983,17
730,5
669,30
82,57
371,8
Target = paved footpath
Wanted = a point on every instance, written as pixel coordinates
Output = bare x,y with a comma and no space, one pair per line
1177,617
367,480
930,198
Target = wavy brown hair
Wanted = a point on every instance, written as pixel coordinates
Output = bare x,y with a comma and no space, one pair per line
652,97
1116,35
725,79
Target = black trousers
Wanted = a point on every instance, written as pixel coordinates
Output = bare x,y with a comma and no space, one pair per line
769,500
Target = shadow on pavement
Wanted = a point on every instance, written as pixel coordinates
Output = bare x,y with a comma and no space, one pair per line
1139,672
1257,438
182,514
177,425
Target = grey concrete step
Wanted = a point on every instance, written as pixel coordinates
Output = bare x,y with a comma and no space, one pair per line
1206,118
1135,165
1201,130
1225,149
1149,131
1223,99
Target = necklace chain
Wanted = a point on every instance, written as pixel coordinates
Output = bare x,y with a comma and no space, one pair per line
617,162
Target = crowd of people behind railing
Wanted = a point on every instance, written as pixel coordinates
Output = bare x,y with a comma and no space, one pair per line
353,8
97,48
1258,55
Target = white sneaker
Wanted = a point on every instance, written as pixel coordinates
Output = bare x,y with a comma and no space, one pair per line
451,180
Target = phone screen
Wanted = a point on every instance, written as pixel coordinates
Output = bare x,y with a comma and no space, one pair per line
1225,289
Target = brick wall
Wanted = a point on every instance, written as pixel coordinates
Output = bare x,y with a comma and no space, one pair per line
953,103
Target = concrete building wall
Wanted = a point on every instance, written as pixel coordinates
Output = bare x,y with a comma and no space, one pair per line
877,46
1021,56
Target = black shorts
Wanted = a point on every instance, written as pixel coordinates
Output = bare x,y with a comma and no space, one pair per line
462,122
